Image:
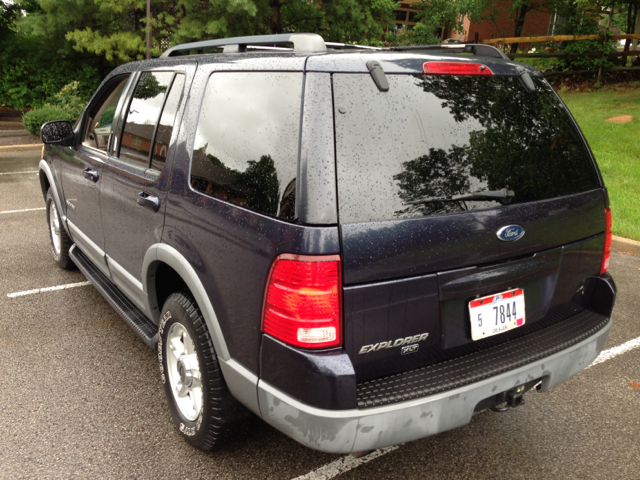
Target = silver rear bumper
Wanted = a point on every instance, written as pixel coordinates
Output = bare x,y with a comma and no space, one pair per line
346,431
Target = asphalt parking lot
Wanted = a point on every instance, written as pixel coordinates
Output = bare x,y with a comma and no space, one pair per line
80,393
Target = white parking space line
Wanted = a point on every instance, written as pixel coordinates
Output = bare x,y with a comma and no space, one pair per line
615,351
344,464
48,289
19,173
24,210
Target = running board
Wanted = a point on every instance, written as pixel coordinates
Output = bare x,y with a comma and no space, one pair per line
141,324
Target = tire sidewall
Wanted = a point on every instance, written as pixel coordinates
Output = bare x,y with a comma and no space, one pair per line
194,432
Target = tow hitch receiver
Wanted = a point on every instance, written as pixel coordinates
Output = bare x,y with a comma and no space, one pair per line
513,398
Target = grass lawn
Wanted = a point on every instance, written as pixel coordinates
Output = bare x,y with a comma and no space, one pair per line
616,148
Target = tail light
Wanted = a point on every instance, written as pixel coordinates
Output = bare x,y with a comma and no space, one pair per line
607,241
303,301
456,68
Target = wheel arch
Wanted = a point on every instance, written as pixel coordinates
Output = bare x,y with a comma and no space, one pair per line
47,182
167,261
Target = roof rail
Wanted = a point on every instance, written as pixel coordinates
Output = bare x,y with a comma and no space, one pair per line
349,45
473,48
302,43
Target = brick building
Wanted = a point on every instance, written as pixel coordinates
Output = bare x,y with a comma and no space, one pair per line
536,23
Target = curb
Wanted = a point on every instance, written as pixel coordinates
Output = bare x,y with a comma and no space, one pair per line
624,244
13,133
20,148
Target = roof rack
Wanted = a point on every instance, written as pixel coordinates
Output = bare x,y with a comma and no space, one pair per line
349,45
302,43
473,48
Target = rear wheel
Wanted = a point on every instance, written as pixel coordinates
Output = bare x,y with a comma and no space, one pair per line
202,407
60,240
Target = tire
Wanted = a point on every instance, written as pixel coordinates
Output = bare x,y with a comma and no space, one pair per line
203,411
58,236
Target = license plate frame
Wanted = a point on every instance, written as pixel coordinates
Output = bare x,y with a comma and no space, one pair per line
493,314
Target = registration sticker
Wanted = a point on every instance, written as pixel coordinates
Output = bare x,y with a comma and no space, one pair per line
496,313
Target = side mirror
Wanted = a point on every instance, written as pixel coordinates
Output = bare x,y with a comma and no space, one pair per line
58,132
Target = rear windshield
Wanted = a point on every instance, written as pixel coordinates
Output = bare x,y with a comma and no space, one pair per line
439,136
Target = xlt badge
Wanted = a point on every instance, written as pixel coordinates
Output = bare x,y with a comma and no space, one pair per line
395,343
410,349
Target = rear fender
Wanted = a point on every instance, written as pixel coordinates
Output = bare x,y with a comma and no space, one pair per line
241,382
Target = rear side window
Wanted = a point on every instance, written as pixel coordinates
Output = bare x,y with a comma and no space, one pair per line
246,145
438,136
150,118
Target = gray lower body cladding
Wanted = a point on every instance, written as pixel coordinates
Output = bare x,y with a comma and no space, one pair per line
357,430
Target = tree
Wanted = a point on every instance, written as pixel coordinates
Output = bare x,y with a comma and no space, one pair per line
8,16
436,16
119,35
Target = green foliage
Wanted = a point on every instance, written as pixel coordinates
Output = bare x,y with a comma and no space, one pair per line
543,64
583,22
117,32
8,17
32,73
70,99
34,119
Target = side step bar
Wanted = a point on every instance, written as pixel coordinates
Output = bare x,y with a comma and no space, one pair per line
141,324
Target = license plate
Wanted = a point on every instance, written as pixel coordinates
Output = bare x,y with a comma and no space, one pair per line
496,313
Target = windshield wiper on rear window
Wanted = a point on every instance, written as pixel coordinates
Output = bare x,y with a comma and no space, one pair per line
504,196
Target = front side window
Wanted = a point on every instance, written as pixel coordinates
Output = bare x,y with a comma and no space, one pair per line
101,115
150,118
167,123
246,145
142,117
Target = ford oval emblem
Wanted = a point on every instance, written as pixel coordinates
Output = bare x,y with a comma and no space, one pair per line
510,233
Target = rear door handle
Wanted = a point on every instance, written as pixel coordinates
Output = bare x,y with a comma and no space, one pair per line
149,201
91,174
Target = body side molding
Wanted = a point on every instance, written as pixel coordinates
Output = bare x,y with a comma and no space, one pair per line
242,383
90,249
130,285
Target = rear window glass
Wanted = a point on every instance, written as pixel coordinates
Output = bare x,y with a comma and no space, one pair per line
440,136
246,145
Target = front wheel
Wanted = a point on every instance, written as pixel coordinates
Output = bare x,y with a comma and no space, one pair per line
60,240
201,404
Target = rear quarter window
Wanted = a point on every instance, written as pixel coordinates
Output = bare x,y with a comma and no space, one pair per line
246,144
437,136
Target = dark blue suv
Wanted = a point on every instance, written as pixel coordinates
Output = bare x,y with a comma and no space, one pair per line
361,246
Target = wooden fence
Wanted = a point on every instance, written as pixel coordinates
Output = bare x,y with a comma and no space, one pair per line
564,38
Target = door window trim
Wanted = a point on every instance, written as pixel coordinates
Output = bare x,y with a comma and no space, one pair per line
100,99
115,155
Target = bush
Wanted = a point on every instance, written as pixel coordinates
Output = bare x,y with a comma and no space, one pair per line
69,99
34,119
543,64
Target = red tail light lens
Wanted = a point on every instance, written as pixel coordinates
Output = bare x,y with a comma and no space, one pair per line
302,301
607,241
456,68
